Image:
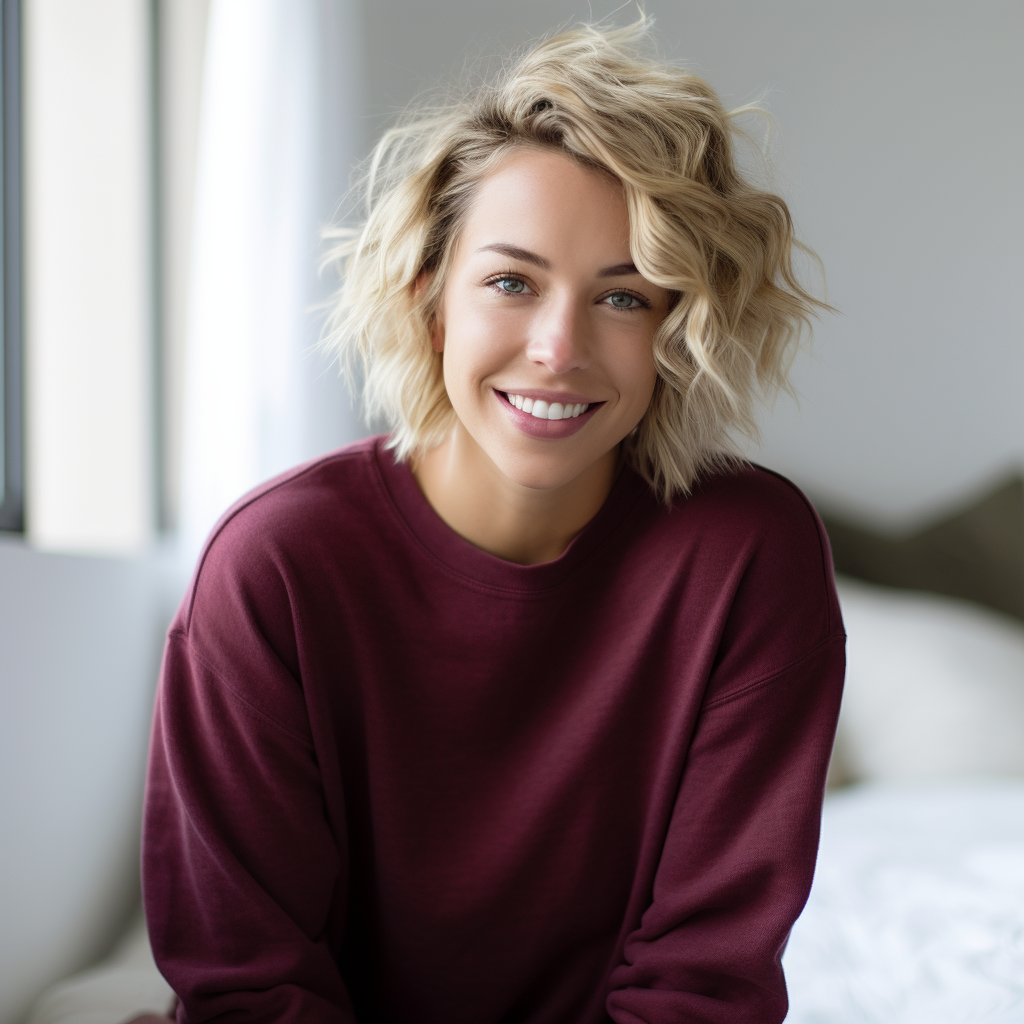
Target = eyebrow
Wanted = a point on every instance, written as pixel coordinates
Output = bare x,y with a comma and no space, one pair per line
515,252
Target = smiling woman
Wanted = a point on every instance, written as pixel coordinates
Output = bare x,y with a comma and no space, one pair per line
522,713
543,314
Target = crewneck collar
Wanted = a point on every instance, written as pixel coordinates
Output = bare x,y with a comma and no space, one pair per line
474,564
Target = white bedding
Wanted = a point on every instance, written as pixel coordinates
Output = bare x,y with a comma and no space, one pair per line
917,911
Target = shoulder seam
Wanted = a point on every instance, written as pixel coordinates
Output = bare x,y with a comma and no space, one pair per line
304,740
245,503
775,673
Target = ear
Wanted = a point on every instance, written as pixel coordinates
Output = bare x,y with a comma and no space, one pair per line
436,326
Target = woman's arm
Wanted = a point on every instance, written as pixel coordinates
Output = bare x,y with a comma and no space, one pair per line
739,855
242,873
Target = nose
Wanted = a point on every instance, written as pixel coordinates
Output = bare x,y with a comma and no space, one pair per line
558,337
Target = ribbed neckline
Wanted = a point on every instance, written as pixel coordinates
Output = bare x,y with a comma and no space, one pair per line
461,557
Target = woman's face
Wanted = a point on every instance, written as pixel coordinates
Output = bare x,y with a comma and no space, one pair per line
545,324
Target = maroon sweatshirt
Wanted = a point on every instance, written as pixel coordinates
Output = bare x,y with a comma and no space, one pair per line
397,779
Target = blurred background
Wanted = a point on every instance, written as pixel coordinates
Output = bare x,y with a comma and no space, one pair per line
168,166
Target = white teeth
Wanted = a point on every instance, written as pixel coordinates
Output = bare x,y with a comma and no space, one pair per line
542,410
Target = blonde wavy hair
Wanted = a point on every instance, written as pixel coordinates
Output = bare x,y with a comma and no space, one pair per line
722,246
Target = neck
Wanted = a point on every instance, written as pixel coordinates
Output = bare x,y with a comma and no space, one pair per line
526,525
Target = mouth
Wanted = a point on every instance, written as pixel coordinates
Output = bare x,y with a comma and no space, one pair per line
540,409
547,418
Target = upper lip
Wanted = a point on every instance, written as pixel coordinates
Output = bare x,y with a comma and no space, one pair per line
539,394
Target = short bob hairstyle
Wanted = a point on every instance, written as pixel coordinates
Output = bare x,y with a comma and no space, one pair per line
697,228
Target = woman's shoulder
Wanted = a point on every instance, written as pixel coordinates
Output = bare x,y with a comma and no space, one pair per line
744,509
323,489
750,534
753,499
291,525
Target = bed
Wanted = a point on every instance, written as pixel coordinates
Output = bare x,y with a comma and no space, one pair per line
917,911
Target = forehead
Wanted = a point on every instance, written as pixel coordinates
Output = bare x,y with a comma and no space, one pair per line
547,202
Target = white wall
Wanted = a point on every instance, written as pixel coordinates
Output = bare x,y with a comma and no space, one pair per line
899,147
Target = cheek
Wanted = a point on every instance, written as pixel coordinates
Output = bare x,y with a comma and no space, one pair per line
464,364
475,348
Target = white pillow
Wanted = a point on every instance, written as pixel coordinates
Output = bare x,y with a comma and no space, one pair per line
934,687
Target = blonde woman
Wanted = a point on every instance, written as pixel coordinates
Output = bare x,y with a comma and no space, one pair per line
521,713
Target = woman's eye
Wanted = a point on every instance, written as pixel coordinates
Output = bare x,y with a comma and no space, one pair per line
623,300
511,285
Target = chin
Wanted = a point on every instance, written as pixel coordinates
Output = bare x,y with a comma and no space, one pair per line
542,473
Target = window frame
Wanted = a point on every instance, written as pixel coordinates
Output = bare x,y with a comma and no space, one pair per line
12,515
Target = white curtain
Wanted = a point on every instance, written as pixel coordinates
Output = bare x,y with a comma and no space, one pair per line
278,134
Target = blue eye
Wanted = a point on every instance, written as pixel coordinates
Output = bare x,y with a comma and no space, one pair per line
511,285
623,300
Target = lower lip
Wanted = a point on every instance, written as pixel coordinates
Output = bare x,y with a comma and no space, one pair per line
548,429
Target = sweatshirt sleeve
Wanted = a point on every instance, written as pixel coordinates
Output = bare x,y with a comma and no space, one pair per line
241,871
738,858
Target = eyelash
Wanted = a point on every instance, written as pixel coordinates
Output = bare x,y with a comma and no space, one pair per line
492,282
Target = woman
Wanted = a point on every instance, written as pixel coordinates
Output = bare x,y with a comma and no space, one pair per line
522,713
